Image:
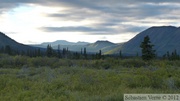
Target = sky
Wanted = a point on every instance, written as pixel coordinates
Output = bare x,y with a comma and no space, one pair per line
37,21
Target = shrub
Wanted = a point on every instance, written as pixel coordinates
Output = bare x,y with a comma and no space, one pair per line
133,63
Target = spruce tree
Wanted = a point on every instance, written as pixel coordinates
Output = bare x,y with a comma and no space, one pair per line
100,54
85,54
49,51
120,54
59,52
147,49
39,52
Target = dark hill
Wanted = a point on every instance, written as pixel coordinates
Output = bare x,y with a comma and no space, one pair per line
165,38
6,41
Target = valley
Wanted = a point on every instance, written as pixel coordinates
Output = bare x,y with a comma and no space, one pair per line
82,71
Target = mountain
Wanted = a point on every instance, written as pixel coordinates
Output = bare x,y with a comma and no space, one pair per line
61,43
5,40
64,42
101,44
72,46
165,38
82,43
104,46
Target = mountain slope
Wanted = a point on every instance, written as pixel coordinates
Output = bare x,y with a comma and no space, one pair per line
115,49
165,38
5,40
104,46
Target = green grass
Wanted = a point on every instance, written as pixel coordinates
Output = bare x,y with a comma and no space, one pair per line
52,79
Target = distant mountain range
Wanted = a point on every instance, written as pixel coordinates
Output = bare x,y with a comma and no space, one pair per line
104,46
165,38
63,42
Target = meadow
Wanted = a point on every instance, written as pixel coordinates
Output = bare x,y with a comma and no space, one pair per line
25,78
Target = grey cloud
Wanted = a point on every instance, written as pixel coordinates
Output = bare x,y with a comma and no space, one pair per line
95,31
93,4
86,3
74,14
121,12
88,30
109,14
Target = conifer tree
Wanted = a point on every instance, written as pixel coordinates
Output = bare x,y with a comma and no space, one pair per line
59,52
147,49
120,54
39,52
49,51
81,51
85,54
100,54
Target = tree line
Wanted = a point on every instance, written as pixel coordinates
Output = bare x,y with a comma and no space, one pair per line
50,52
148,53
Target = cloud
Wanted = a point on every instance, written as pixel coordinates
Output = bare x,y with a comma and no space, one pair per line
121,8
88,30
117,11
102,5
103,17
96,31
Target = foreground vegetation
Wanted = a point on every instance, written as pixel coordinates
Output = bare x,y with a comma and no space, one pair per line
51,79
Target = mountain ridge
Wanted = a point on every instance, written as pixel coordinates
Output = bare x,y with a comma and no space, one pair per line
64,42
7,41
165,38
103,45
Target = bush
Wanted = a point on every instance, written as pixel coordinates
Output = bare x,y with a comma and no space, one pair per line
133,63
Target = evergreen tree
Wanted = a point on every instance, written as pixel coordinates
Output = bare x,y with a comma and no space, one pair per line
120,54
39,52
59,52
49,51
81,51
85,54
147,49
35,53
67,49
28,53
100,54
174,56
64,52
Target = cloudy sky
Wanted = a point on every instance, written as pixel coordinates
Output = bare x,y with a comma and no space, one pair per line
36,21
